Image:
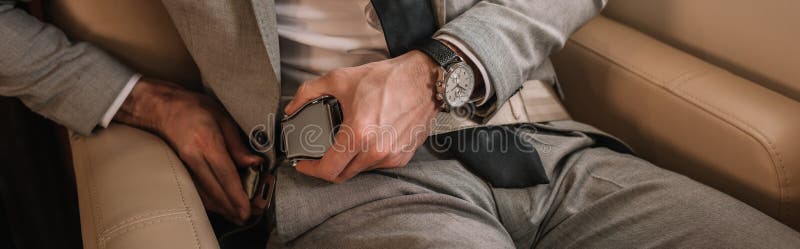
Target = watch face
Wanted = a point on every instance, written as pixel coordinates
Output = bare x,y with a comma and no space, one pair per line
459,84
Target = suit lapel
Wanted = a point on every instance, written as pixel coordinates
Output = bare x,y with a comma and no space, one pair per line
266,19
227,40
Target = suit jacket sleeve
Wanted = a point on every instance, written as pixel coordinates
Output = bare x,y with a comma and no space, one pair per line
72,84
512,38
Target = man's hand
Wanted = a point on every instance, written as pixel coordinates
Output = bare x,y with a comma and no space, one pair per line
204,136
388,107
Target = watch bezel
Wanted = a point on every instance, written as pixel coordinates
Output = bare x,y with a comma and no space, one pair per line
448,71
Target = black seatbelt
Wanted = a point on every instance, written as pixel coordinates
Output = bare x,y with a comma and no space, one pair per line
406,23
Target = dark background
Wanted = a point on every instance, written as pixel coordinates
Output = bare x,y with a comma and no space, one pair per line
38,199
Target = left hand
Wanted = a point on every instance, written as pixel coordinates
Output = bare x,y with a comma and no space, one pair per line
203,135
388,108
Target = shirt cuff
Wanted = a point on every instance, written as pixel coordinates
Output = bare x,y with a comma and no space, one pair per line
481,69
112,110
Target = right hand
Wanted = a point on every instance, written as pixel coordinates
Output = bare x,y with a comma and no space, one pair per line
204,136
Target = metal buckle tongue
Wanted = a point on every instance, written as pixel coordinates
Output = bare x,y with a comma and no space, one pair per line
259,185
307,133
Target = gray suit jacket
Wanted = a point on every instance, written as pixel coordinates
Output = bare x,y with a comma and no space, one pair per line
235,43
70,83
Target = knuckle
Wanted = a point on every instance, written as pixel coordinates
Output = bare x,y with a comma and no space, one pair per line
187,152
337,73
363,126
303,89
397,162
358,135
385,154
394,163
331,178
378,156
222,174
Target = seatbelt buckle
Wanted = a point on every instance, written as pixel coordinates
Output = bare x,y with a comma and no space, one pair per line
304,135
307,133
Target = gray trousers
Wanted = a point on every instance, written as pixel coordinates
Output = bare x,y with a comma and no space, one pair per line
597,198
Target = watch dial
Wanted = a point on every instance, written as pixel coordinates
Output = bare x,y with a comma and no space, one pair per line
459,85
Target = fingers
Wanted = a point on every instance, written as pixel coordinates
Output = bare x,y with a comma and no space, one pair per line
210,204
367,162
334,160
371,156
346,158
308,91
236,146
223,168
240,153
361,163
216,199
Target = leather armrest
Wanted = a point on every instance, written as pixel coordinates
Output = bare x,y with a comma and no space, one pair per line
686,115
134,192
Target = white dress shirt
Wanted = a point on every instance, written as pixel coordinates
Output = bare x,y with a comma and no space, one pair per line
112,110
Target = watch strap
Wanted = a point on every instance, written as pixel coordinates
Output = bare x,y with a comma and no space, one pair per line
440,53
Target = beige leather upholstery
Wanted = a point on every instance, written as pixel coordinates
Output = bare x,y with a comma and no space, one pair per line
686,115
139,32
755,39
135,193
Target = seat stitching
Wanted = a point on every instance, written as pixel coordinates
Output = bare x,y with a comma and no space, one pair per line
636,69
167,151
689,76
142,224
92,188
751,131
121,228
135,218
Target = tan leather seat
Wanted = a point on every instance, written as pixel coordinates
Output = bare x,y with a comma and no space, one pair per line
686,115
134,192
754,39
678,111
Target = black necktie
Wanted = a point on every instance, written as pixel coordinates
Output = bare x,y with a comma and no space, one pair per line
406,23
500,155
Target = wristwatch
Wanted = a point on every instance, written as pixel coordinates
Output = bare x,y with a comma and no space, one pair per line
456,85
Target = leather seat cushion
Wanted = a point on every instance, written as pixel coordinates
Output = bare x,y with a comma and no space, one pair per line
686,115
753,39
134,192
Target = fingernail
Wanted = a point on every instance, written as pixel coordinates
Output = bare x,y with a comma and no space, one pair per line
286,109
